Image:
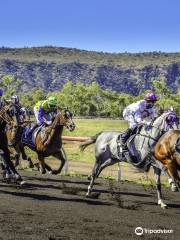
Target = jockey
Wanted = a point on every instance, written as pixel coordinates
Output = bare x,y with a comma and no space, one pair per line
137,114
43,110
15,99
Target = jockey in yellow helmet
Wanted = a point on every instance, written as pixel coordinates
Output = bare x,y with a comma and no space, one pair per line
44,109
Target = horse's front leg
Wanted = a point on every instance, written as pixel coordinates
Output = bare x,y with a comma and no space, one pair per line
60,157
172,174
172,170
157,173
171,181
42,165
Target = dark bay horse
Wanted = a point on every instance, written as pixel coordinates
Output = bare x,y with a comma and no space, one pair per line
48,141
9,121
15,150
140,146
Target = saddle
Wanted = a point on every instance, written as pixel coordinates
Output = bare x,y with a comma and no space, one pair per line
133,156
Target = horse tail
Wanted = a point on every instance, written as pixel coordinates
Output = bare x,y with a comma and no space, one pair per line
90,141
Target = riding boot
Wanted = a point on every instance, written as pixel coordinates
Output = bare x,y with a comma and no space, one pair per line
32,128
124,137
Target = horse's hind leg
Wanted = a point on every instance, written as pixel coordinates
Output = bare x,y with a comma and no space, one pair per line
108,162
157,173
17,157
98,167
25,157
93,176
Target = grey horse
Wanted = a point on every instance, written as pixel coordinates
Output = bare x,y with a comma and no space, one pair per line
140,148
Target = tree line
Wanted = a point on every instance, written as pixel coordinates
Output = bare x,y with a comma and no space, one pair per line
92,100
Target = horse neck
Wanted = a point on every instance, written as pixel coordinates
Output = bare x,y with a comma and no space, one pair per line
55,130
157,128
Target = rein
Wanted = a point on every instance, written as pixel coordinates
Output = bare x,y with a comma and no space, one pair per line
50,130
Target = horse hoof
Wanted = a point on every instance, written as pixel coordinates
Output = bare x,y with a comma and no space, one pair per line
50,172
164,206
174,189
42,171
54,172
22,183
30,165
89,178
87,195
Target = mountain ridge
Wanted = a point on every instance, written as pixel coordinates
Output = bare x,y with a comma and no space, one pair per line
50,68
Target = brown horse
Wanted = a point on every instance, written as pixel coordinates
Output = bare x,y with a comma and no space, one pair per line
48,141
167,151
9,121
15,149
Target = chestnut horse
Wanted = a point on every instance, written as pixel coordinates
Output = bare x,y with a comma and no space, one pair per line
167,151
48,141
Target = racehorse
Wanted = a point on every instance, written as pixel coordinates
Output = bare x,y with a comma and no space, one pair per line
47,140
25,114
24,117
167,151
9,120
140,145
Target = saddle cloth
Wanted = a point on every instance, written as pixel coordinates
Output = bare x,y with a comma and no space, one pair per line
29,137
133,156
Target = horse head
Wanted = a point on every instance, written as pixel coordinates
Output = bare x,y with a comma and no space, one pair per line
25,114
10,116
64,118
168,120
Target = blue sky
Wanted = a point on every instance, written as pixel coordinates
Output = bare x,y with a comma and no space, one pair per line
100,25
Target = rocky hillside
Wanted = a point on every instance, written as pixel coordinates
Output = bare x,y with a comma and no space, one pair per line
50,67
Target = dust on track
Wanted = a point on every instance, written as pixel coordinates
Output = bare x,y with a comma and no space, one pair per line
55,207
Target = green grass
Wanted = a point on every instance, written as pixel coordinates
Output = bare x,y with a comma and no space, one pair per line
86,128
89,127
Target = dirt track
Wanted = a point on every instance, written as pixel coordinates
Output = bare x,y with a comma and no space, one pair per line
55,207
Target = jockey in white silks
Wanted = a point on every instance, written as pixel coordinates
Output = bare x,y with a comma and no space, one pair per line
137,114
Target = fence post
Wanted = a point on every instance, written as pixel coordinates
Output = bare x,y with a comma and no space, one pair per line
119,172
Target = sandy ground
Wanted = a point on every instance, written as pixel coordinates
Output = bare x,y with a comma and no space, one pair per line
55,207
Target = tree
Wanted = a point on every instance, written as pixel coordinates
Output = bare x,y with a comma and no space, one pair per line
160,86
10,85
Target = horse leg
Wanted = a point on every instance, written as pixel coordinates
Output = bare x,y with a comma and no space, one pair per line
171,181
42,167
157,173
25,157
93,177
17,157
60,157
98,167
10,169
172,169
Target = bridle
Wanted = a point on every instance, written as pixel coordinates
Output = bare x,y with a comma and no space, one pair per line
161,130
